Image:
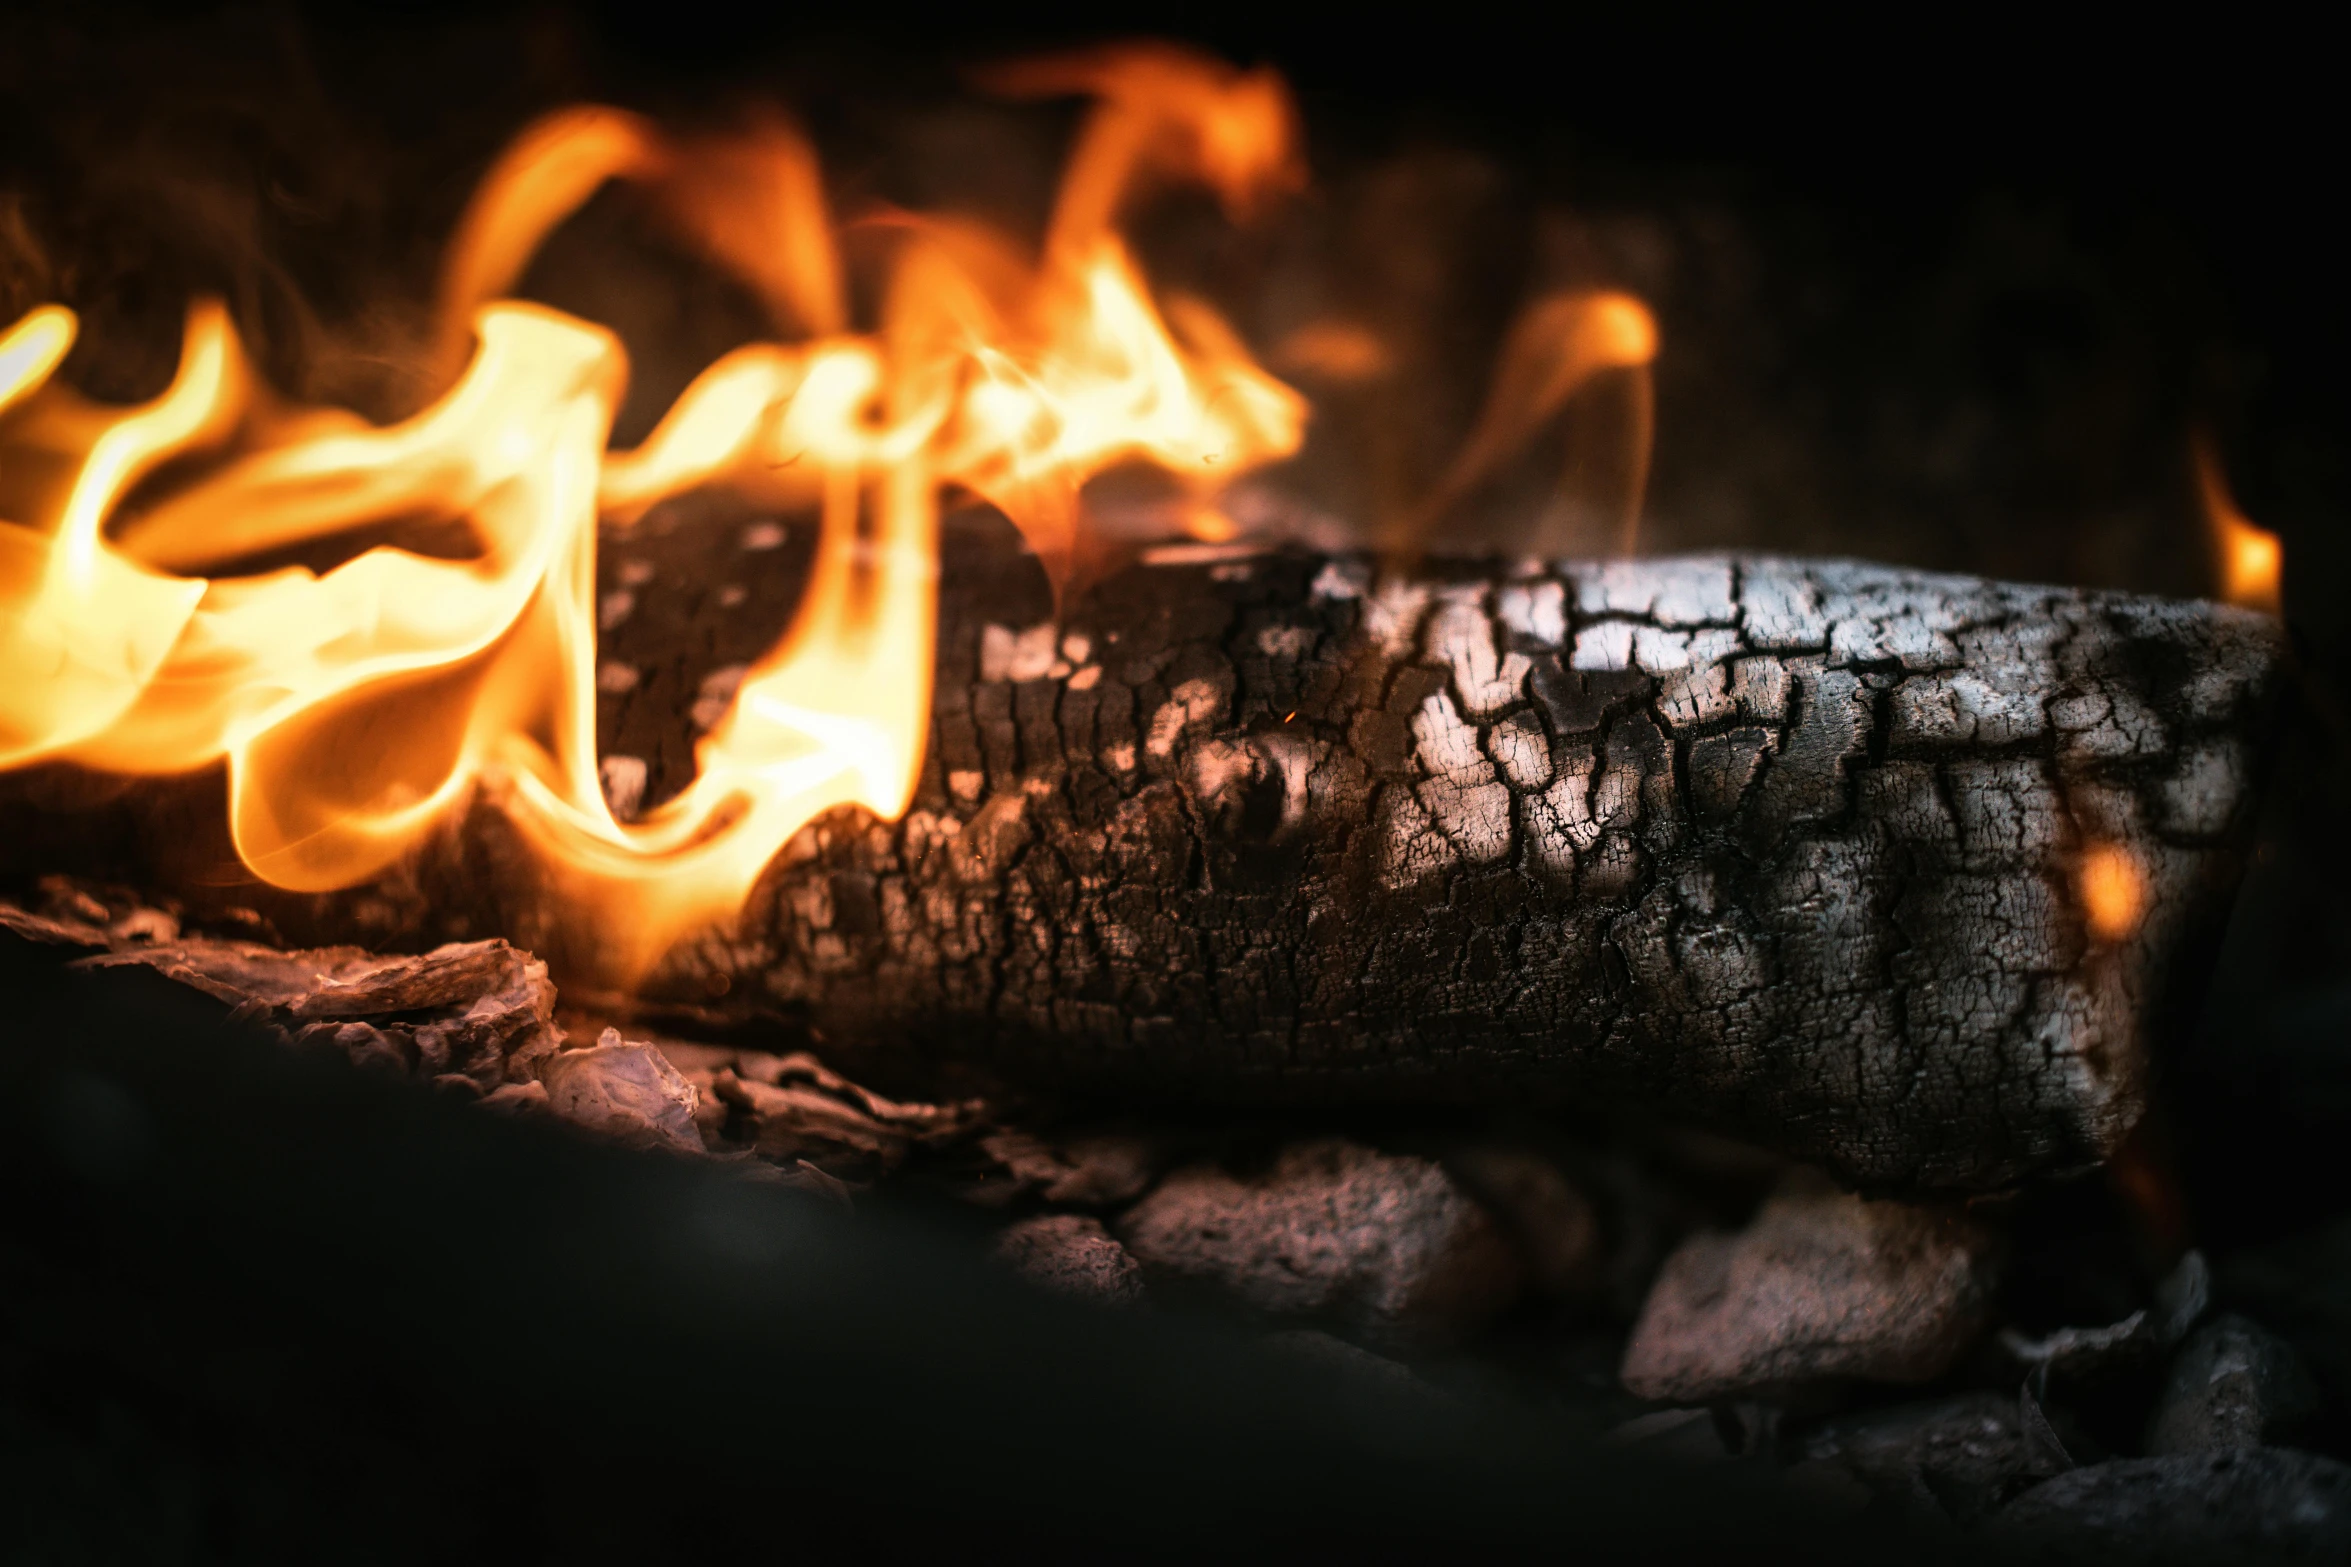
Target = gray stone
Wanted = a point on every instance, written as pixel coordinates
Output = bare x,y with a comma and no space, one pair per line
2235,1384
1821,1286
1072,1255
2255,1504
1387,1248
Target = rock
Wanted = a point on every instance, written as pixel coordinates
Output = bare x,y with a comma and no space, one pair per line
1963,1456
2300,1287
2235,1384
1072,1255
1554,1225
1386,1247
623,1090
2229,1505
1821,1285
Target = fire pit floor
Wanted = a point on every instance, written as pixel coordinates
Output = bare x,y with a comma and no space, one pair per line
1676,1298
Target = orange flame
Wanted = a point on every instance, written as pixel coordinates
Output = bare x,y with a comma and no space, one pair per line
2114,891
354,707
2252,559
1559,346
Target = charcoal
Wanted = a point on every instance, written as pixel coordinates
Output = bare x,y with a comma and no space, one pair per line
1387,1248
2234,1384
1821,1286
1073,1255
1962,1456
623,1090
2261,1504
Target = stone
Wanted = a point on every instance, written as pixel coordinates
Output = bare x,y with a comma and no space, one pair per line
1962,1456
623,1090
1387,1248
2254,1504
2234,1384
1821,1286
1072,1254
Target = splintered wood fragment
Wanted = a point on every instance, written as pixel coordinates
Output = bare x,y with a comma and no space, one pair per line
1902,874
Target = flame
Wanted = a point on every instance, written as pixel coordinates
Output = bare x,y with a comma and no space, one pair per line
2114,891
1560,346
2252,559
354,706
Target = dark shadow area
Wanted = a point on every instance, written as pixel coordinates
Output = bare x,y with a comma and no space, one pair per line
262,1306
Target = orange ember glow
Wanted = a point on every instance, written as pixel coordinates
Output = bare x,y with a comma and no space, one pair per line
355,706
2252,560
2114,891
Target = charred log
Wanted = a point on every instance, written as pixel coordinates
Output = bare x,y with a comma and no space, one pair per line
1799,850
1796,849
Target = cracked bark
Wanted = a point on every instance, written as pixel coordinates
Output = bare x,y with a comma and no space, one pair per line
1788,848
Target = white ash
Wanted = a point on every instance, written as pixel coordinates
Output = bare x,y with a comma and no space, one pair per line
624,778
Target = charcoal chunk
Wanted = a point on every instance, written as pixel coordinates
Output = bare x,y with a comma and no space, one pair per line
2235,1384
1961,1456
2257,1504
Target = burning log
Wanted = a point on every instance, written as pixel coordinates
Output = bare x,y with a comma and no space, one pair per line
1897,873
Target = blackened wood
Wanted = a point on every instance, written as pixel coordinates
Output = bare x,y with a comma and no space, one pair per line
1789,848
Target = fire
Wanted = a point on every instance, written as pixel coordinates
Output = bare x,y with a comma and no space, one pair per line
2114,891
1560,346
2252,559
141,630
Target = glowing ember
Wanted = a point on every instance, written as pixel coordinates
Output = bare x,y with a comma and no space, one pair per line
146,631
2114,891
2252,560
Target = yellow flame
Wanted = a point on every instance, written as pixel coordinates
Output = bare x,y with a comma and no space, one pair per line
354,706
2252,559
